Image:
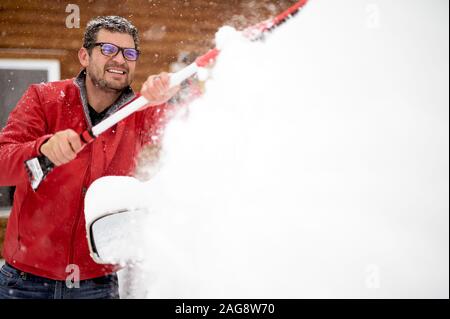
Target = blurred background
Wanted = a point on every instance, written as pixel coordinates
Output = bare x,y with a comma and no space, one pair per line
39,41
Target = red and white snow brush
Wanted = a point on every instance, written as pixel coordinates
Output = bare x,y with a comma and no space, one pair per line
38,167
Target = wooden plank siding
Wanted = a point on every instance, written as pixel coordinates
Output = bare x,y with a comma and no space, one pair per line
36,29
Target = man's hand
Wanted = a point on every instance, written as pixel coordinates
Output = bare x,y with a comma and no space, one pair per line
156,89
62,147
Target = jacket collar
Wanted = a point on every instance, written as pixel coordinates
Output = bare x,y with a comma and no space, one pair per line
126,96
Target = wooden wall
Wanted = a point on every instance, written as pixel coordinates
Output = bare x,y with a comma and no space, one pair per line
37,29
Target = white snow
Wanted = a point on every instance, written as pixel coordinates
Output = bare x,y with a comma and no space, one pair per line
315,165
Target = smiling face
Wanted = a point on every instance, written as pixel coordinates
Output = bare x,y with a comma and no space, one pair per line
109,73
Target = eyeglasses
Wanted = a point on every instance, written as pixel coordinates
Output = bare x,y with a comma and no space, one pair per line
111,50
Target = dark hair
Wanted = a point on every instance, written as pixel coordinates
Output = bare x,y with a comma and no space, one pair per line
110,23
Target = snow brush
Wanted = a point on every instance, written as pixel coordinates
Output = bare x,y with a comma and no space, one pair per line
38,167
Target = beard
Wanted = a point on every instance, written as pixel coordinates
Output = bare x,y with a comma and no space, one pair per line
98,77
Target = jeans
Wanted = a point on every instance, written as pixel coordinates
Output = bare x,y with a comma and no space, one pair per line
15,284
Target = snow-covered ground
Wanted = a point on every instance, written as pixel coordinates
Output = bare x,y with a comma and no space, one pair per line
315,166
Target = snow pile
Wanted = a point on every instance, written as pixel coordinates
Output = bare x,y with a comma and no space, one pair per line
316,164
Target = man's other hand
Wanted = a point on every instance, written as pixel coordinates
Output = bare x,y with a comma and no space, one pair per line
156,89
62,147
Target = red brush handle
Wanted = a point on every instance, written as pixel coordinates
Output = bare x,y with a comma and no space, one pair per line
289,12
205,59
256,32
87,136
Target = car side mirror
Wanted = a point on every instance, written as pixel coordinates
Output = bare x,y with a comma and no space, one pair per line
115,219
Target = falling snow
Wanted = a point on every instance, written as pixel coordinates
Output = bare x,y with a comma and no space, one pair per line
315,165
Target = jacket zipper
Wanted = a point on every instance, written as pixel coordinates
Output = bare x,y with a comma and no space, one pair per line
84,189
79,213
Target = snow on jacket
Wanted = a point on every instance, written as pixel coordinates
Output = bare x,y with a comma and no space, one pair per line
46,229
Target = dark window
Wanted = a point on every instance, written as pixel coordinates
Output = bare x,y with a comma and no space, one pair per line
13,84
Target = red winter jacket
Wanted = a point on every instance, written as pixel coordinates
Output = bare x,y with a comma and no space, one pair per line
46,229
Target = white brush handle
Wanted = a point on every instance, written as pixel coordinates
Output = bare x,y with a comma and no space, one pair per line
175,79
183,74
119,115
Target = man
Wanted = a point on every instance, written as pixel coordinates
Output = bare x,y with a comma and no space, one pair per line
46,244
